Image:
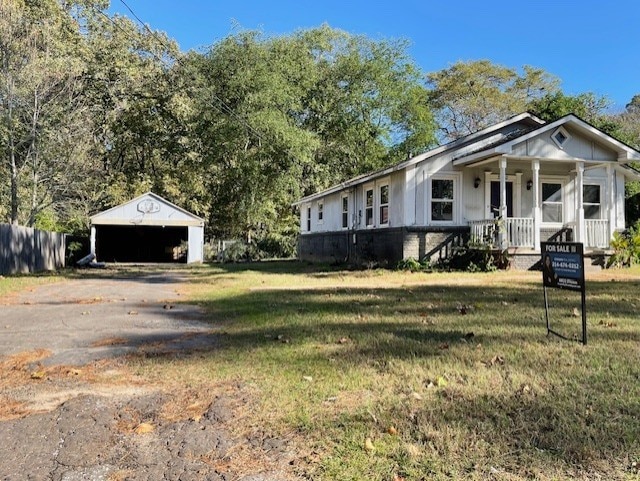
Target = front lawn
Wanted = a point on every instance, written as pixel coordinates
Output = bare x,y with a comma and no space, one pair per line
379,375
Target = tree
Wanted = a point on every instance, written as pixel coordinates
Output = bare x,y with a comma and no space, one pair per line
46,129
282,117
470,96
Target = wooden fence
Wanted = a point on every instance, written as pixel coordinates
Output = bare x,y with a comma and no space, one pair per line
23,250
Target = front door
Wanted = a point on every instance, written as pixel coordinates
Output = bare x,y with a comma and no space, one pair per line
495,198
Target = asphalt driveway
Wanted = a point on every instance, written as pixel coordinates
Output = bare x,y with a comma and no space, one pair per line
102,315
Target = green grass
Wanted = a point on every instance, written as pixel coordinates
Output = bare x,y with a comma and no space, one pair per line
459,364
15,283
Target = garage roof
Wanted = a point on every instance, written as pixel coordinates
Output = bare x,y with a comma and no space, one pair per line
148,209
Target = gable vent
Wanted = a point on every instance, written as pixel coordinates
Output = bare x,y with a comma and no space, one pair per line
561,137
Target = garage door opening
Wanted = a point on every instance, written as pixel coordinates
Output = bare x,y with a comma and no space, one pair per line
141,243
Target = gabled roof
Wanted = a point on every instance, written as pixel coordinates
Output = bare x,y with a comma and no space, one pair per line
525,117
625,153
115,215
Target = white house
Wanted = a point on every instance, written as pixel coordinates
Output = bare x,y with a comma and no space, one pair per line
147,229
511,185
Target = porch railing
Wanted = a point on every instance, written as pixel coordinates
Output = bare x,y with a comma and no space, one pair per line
518,231
597,233
484,232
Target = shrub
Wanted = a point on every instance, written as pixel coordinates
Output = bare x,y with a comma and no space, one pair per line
626,247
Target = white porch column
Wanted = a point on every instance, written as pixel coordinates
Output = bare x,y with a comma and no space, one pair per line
92,241
537,214
503,203
611,200
580,225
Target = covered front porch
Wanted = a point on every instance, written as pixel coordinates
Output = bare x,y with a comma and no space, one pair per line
528,201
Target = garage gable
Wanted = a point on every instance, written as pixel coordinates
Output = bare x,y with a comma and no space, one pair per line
147,210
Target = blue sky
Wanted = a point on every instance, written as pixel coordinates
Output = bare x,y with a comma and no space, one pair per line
590,45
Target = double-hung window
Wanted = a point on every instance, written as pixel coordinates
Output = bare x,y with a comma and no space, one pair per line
591,201
309,219
442,200
384,205
345,212
320,212
552,202
368,207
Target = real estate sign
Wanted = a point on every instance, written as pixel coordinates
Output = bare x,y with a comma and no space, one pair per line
563,265
563,268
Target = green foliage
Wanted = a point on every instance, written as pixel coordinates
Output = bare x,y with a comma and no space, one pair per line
281,117
413,265
469,96
476,259
626,247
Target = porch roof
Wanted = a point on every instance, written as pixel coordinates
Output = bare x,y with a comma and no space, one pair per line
504,147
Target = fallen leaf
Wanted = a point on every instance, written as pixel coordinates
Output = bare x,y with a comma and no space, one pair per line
495,360
392,430
144,428
38,374
133,313
416,395
368,445
442,382
343,340
575,312
307,378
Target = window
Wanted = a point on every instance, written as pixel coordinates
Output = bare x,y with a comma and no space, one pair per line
309,219
384,204
320,212
551,202
368,207
442,200
591,201
345,212
560,137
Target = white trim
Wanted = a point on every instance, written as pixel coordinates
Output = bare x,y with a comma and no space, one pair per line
309,217
562,131
372,187
380,183
601,184
554,179
457,200
516,180
345,195
94,219
625,153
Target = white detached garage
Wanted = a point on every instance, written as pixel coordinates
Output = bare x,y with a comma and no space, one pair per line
147,229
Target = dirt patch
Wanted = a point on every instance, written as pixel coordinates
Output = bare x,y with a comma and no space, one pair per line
73,425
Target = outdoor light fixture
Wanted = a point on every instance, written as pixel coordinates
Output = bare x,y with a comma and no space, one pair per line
529,184
476,182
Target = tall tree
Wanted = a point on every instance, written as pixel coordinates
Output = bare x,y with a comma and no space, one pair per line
469,96
282,117
46,129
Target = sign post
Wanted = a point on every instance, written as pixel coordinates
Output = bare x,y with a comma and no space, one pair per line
563,268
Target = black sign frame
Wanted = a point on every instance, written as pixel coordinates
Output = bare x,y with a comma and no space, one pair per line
563,268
